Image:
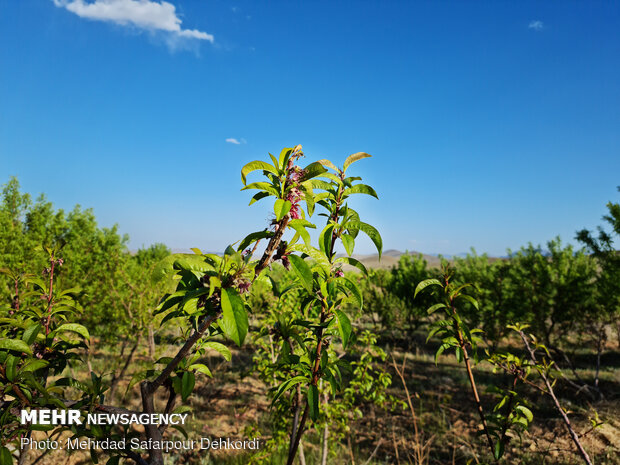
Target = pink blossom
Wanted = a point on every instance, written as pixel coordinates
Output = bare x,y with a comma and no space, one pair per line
339,273
244,286
296,176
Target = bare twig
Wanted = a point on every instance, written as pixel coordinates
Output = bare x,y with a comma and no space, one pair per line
570,429
374,452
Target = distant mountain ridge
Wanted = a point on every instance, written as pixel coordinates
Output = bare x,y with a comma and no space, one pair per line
389,258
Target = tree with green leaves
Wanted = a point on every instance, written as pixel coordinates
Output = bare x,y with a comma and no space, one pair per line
210,292
603,245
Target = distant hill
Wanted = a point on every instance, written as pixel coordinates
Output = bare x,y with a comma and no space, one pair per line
389,259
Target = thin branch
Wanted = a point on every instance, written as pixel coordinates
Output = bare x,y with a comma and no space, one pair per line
571,431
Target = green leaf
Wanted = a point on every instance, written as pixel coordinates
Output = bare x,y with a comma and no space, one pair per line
300,225
253,237
434,308
499,449
353,262
526,412
353,158
313,401
201,368
258,196
5,456
15,344
357,294
31,332
11,367
286,385
303,271
328,163
344,326
256,165
234,322
459,354
221,348
470,299
325,239
316,255
323,185
187,384
312,171
348,242
360,189
74,383
370,231
275,161
180,429
263,186
424,284
74,327
332,177
281,208
214,283
34,365
441,350
306,188
284,156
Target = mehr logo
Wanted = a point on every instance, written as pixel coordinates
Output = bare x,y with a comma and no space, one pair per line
51,417
72,417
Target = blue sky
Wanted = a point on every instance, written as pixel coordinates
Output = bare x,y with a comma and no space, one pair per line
491,124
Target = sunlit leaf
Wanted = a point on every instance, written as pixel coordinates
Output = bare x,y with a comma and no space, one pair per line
234,322
353,158
303,271
424,284
256,165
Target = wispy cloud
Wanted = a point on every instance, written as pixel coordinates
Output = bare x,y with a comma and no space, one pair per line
232,140
536,24
152,16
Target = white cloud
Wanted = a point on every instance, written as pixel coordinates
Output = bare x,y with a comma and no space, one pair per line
143,14
537,25
232,140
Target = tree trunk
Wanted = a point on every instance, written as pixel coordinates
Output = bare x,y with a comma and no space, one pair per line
325,451
600,343
325,433
151,343
118,377
302,457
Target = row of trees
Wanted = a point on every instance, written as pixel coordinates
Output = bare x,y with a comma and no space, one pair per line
70,287
207,300
567,297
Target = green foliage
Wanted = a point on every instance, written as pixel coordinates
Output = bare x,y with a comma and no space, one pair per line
411,270
603,249
310,346
37,343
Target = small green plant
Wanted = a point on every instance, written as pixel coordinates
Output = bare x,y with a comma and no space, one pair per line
38,340
510,413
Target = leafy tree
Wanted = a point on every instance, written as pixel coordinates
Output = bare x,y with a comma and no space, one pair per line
410,271
551,291
491,281
602,245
